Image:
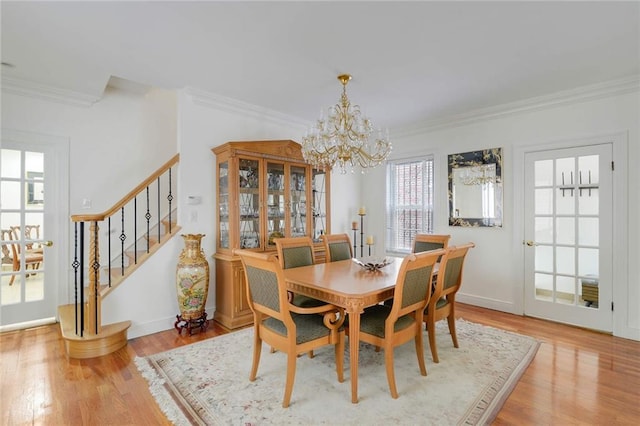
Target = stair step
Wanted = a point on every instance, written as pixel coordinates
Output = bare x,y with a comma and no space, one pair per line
112,337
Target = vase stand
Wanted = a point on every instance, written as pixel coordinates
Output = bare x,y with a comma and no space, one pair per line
191,325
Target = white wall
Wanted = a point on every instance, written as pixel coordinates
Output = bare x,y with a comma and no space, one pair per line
115,143
497,261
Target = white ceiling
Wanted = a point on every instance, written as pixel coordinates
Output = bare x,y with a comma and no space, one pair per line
411,61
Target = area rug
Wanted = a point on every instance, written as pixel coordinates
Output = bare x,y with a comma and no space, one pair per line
207,383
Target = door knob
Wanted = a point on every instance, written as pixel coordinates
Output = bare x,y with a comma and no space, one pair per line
47,243
530,243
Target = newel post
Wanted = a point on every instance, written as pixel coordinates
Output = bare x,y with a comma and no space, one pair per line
93,319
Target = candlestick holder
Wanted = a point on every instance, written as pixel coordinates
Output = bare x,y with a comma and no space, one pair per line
354,227
369,244
362,215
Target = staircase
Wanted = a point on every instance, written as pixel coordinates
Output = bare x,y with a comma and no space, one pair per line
146,215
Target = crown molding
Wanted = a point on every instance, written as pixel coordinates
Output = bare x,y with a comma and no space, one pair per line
212,100
566,97
49,93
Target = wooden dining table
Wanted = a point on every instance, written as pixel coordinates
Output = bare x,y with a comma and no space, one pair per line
347,285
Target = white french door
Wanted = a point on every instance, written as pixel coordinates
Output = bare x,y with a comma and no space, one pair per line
568,235
32,217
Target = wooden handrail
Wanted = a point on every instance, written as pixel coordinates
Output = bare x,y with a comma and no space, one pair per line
101,216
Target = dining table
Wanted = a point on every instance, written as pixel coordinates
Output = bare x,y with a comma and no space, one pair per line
347,285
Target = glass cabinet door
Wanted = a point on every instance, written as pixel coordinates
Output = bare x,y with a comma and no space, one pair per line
275,202
223,204
319,200
249,203
298,201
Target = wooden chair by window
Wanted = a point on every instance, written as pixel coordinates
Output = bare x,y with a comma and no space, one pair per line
426,242
294,252
337,247
286,327
390,326
443,301
11,252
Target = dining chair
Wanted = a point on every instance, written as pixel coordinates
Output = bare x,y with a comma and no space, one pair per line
11,252
443,301
284,326
389,326
426,242
294,252
337,247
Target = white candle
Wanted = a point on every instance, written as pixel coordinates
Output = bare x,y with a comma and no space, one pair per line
370,240
354,225
362,211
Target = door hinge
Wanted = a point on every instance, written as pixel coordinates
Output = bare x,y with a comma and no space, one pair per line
613,167
611,306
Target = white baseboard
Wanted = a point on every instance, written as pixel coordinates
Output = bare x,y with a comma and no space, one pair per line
484,302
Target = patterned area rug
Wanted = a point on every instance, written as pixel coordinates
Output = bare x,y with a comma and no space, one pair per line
208,382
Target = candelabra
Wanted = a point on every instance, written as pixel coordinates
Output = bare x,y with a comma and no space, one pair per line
362,214
354,227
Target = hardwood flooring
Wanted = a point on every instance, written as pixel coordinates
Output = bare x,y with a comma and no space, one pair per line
577,377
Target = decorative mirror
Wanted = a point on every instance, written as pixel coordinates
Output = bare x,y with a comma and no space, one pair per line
475,188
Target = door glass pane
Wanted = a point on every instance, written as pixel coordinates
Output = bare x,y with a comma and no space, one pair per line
588,201
298,201
544,286
10,166
223,204
565,201
566,230
589,228
565,260
565,290
588,262
543,201
275,202
319,211
544,230
544,258
249,203
10,197
543,173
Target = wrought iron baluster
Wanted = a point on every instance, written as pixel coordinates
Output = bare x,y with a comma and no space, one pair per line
123,237
81,279
170,199
135,230
148,217
159,213
96,274
109,249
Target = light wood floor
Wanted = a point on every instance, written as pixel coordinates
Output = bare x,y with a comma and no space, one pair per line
577,377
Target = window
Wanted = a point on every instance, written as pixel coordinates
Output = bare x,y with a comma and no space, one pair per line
409,201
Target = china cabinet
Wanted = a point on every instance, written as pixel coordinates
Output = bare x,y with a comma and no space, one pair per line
265,190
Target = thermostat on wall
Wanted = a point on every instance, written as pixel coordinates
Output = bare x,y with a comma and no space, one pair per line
194,199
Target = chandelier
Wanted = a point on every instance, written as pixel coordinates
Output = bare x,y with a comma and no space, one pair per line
344,138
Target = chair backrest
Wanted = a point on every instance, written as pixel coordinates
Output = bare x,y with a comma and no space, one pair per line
450,273
294,252
10,249
266,289
426,242
413,285
337,247
31,232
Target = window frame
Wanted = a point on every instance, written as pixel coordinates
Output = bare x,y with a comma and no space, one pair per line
426,222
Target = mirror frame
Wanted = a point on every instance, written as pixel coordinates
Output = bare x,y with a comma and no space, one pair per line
477,158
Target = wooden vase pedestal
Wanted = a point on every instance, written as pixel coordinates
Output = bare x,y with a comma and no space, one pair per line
191,325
